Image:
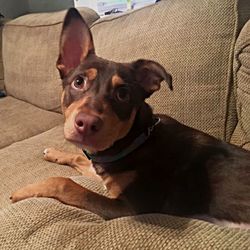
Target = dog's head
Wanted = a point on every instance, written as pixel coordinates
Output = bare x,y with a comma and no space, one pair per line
100,97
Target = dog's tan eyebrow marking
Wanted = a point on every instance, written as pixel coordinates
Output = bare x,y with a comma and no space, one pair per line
91,73
116,80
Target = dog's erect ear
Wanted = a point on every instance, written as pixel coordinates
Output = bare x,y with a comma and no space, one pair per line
76,42
150,74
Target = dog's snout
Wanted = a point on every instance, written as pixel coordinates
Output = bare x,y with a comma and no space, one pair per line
87,124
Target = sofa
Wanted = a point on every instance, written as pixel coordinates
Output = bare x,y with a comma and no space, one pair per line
205,45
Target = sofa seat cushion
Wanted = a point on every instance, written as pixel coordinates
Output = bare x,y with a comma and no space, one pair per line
22,163
39,223
20,120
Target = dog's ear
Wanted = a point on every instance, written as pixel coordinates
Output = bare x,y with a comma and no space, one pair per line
76,42
150,74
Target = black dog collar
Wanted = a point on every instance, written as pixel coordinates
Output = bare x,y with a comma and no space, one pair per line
134,145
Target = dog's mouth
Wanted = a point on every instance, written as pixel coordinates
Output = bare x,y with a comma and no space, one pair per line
87,138
96,133
89,143
92,142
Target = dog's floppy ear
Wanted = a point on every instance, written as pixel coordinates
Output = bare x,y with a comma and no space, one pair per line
76,42
150,74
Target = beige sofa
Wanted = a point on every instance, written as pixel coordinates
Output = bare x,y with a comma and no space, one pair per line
205,45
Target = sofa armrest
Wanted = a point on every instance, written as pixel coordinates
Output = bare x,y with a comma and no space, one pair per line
241,134
1,57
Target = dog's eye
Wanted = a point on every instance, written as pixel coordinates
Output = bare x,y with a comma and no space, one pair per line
79,83
123,94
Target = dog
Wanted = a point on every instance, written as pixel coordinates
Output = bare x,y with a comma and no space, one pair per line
149,163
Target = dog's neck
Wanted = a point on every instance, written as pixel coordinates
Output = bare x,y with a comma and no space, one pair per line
138,134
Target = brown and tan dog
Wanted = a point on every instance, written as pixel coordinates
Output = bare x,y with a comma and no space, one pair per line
149,163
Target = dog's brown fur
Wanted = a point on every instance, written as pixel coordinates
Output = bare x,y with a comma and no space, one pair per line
177,170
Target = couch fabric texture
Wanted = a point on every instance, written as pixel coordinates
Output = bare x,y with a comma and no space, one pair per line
242,85
16,116
203,44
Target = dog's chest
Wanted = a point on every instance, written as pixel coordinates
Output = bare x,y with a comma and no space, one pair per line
115,183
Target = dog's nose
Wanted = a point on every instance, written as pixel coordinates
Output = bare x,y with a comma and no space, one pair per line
87,124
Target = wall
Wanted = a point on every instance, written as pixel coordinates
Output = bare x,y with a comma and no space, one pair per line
88,3
49,5
13,8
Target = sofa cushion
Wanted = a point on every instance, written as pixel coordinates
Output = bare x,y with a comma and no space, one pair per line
22,162
239,137
194,40
20,120
242,87
43,223
30,51
47,224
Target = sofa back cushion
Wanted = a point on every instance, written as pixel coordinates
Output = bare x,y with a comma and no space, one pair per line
30,51
194,41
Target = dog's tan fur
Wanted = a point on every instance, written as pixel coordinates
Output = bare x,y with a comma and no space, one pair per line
115,184
116,81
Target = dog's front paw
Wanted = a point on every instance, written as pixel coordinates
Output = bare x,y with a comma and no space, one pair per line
49,188
26,192
53,155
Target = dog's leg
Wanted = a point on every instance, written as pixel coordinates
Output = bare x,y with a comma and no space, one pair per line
77,161
71,193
